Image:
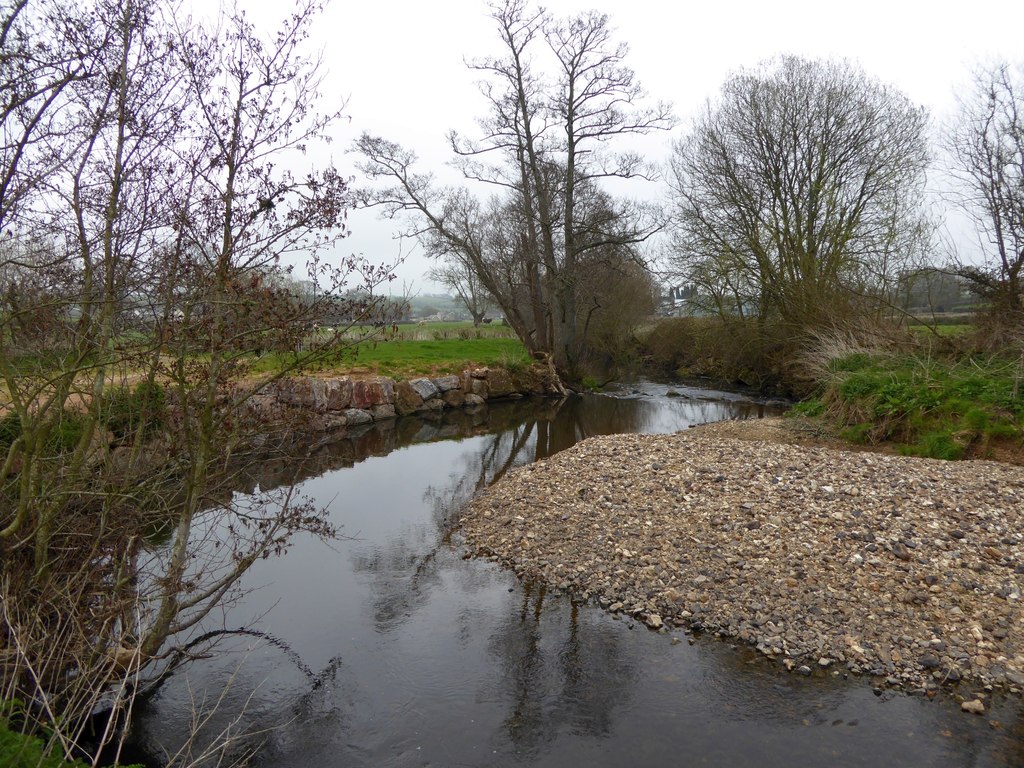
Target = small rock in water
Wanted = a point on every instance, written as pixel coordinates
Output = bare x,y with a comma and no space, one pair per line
975,707
804,670
654,621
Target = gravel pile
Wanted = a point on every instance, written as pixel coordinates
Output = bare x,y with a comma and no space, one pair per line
910,569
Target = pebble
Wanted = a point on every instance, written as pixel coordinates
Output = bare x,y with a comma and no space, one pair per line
975,707
901,579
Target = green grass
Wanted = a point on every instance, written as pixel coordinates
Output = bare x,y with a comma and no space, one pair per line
447,331
928,406
404,351
429,331
402,359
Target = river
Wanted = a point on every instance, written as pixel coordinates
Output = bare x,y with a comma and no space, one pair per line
390,647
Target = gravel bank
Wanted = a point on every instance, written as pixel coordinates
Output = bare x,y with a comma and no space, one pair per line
911,569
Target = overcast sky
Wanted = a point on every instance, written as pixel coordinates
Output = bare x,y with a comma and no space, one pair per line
399,63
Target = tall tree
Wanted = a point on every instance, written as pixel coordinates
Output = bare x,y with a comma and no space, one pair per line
147,204
544,145
797,192
986,144
459,277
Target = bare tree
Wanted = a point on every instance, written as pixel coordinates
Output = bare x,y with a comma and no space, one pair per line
797,193
459,277
147,205
986,144
543,145
46,49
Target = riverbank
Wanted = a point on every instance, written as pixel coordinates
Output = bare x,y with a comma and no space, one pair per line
304,406
903,568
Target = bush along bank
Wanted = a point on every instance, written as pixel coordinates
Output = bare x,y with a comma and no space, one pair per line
884,387
733,352
943,408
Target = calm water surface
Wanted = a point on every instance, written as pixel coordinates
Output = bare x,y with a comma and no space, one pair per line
390,648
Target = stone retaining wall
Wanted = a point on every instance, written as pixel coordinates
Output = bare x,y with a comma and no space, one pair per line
334,403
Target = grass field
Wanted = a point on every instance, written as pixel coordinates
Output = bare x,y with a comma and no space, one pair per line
441,332
423,350
403,359
420,349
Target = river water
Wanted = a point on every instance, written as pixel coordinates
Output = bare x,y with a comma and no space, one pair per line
391,648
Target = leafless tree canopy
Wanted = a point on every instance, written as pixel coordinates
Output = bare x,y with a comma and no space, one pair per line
557,97
459,277
146,203
797,192
986,144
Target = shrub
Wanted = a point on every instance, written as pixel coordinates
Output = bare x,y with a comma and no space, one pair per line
145,407
938,445
64,435
515,363
19,750
811,408
10,429
856,361
730,349
941,407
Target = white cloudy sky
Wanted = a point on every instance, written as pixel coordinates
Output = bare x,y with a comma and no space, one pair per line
399,63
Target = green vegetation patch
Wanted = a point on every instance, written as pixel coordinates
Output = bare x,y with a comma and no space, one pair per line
728,349
410,350
18,750
402,359
930,406
456,330
142,408
62,434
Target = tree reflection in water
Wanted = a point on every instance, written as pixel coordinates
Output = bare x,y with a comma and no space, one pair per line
396,652
562,674
568,676
406,570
